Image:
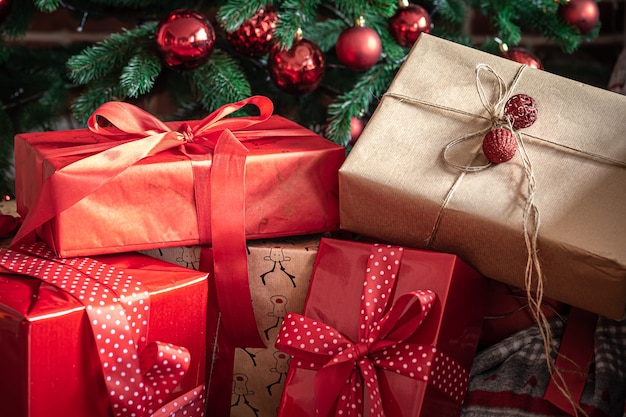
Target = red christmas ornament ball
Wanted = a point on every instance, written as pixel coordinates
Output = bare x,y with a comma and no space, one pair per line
5,10
356,127
358,48
523,56
298,70
522,110
583,14
407,24
499,145
254,37
185,39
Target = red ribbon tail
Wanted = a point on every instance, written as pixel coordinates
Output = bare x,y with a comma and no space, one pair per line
229,242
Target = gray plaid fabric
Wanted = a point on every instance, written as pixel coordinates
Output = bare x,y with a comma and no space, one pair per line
510,377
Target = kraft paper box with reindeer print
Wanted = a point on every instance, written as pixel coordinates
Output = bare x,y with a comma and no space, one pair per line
557,206
279,271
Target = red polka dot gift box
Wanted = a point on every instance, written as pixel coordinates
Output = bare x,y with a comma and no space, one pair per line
385,330
109,336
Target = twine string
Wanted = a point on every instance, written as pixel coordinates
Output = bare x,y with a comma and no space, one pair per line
533,275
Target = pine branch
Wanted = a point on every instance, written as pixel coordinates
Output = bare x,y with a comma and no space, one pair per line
220,81
100,60
47,6
352,9
295,15
235,12
96,94
371,85
453,11
325,33
139,76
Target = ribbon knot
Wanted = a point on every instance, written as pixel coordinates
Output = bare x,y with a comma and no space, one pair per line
361,350
187,132
346,369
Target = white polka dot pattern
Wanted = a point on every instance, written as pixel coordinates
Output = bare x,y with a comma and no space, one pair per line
138,385
382,334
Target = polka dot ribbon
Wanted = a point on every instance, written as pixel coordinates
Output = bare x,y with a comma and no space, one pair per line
118,309
345,368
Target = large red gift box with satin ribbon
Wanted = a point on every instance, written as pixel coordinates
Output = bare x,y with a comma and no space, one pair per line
385,331
136,183
116,335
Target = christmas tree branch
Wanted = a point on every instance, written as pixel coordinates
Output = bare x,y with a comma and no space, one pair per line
103,58
234,12
354,103
220,81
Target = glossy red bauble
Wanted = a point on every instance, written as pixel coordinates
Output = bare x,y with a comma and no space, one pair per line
408,23
358,48
356,127
184,39
523,56
254,37
583,14
298,70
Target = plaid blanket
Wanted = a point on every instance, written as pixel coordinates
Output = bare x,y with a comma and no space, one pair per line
509,378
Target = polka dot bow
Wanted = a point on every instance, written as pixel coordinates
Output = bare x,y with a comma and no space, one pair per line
346,369
118,308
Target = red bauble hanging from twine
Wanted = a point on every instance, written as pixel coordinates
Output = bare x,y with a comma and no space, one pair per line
408,23
255,36
499,145
359,47
582,14
298,70
184,39
5,10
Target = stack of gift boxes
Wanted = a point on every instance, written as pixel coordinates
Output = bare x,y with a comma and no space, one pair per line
243,266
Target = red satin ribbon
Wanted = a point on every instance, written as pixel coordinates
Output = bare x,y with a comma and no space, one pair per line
138,380
207,142
346,369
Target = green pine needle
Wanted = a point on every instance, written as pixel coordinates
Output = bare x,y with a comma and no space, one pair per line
235,12
139,76
103,58
47,6
220,81
354,103
98,93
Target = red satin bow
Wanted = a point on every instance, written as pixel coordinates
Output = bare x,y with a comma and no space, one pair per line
346,368
140,135
137,383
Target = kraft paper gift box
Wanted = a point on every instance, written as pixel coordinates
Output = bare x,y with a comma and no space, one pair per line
382,327
396,186
142,184
71,330
244,379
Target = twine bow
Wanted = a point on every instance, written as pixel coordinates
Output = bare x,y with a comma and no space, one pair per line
139,376
346,368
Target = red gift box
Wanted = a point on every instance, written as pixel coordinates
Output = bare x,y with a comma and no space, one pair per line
81,336
352,352
143,184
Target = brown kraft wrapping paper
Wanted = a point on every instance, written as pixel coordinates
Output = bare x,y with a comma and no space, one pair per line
395,180
279,271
